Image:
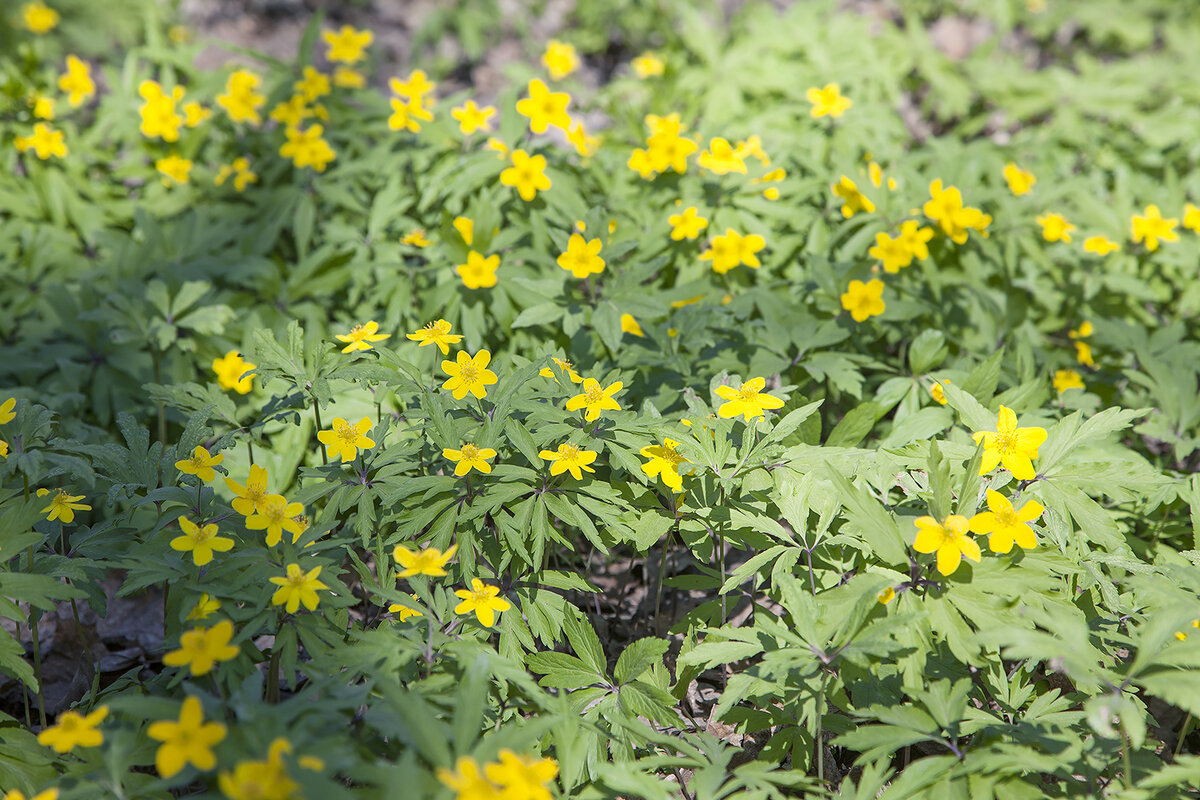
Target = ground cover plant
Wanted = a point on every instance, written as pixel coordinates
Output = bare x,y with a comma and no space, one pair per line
743,402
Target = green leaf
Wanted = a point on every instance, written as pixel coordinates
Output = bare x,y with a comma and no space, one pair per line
639,657
855,426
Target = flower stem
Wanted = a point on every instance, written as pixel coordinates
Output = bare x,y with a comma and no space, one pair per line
37,648
320,427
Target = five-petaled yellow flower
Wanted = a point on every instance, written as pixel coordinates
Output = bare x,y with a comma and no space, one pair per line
481,599
732,249
174,169
1014,448
569,458
687,224
582,257
307,148
232,371
202,648
664,463
187,741
945,207
1005,524
720,158
565,366
200,541
1020,181
595,398
39,17
77,81
1100,245
853,201
416,85
747,400
48,794
205,607
6,410
828,101
438,333
469,457
347,45
297,587
362,336
276,516
527,175
430,561
200,464
251,498
63,506
469,374
240,101
949,539
544,108
1067,379
472,118
648,65
344,440
864,300
408,114
522,776
1151,227
560,59
1055,228
44,142
416,238
74,730
479,272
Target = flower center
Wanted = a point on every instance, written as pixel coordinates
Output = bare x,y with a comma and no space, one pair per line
469,373
357,331
346,433
1007,519
568,452
1006,442
593,395
469,452
747,393
203,534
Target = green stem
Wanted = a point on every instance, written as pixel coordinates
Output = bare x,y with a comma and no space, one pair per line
320,427
662,569
1183,732
273,676
1126,759
820,735
37,648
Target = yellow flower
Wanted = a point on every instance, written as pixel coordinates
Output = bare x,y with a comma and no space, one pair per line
416,85
585,145
948,539
472,118
469,457
1151,227
938,393
429,561
187,741
582,257
202,648
250,499
240,100
257,780
479,272
306,148
648,65
1083,353
482,600
174,168
194,114
886,596
1100,245
200,464
408,114
312,85
916,238
362,336
49,794
1055,228
521,776
527,175
43,106
630,325
242,175
687,224
1067,379
276,516
345,440
467,781
348,78
205,607
74,730
544,108
560,59
403,612
77,81
720,158
200,541
732,249
416,237
1084,330
875,173
641,163
297,587
894,253
466,229
1191,216
853,200
569,458
438,333
664,463
828,101
1013,447
565,366
946,208
500,147
39,17
864,300
1005,524
232,372
595,399
44,141
291,113
6,410
3,449
159,118
469,374
746,400
1020,181
347,45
